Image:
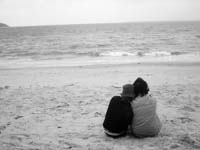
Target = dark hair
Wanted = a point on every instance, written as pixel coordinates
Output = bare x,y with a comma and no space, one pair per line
140,87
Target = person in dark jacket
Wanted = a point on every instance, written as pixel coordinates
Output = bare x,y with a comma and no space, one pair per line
119,113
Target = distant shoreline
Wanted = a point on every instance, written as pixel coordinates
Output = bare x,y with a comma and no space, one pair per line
3,25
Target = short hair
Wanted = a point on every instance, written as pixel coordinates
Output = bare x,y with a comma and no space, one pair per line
140,87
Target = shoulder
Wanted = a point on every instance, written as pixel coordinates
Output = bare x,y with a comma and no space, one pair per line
115,99
151,98
145,100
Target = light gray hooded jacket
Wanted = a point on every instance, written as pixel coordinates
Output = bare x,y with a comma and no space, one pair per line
145,121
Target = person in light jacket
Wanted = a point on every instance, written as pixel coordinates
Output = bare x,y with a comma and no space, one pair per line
145,122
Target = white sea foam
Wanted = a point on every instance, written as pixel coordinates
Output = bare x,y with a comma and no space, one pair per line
158,53
140,54
117,54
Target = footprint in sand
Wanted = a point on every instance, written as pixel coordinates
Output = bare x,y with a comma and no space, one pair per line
69,145
3,127
18,117
5,87
185,119
174,146
190,140
188,108
19,137
84,113
97,114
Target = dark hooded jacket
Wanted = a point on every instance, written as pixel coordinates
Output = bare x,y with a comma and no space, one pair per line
119,115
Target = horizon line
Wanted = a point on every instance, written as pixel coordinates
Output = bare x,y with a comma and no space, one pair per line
99,23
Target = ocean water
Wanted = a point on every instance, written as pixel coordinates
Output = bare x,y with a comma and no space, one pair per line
91,44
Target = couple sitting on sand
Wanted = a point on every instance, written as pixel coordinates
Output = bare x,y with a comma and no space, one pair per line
134,110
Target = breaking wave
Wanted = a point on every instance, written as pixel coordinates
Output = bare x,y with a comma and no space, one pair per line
140,54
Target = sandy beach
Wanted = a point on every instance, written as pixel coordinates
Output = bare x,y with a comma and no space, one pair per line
63,107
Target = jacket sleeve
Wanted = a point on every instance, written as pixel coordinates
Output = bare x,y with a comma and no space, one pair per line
108,114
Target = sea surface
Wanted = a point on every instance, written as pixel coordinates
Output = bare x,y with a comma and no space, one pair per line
91,44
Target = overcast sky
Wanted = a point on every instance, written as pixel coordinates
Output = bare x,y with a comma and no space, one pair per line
51,12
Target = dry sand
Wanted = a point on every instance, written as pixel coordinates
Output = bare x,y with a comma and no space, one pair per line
63,108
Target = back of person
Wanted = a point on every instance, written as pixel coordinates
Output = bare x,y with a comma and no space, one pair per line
145,121
118,116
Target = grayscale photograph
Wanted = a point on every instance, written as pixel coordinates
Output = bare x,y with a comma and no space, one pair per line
100,74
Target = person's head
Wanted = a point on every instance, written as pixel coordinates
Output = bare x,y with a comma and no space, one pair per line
127,91
140,87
